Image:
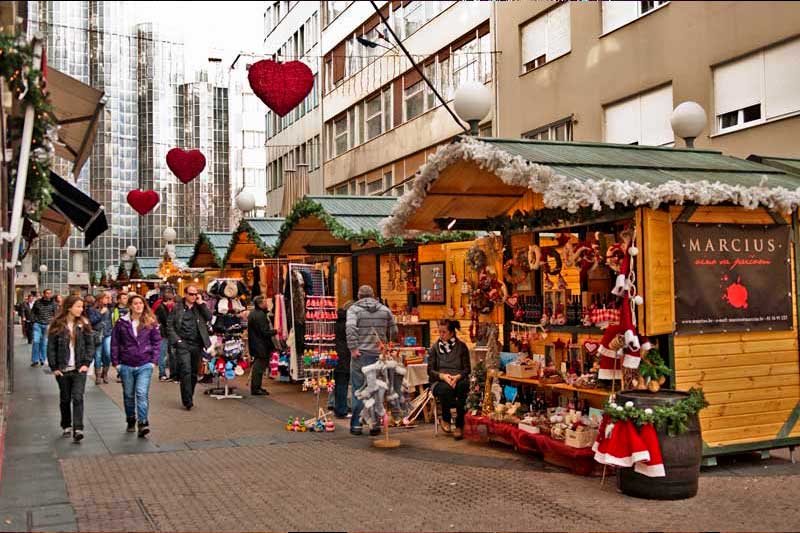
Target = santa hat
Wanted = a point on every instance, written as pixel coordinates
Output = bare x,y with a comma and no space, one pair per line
610,351
654,466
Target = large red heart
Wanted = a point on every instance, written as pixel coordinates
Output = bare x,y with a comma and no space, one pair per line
282,86
143,201
186,165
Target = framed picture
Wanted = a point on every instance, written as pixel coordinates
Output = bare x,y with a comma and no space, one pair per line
432,286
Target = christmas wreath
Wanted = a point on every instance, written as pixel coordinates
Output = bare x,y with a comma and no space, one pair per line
674,418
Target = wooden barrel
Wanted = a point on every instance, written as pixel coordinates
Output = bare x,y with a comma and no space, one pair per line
681,454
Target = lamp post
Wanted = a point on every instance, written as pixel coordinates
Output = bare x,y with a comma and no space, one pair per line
246,201
688,120
472,102
169,234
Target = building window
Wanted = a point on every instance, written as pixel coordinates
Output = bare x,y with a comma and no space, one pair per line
545,38
375,187
342,190
374,116
414,17
341,135
334,8
616,14
557,131
362,188
485,130
758,88
413,100
641,119
387,182
465,63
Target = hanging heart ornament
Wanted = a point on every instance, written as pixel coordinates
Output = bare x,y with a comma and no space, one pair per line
186,165
143,201
282,86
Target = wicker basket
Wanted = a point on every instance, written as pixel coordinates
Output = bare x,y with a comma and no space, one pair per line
580,439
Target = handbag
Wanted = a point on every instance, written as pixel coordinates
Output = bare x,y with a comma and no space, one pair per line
97,335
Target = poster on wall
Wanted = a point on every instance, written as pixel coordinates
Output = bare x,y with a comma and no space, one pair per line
732,278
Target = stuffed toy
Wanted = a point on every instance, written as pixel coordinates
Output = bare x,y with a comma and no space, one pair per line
229,302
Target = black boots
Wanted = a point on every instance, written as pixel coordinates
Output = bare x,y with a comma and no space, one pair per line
131,425
144,429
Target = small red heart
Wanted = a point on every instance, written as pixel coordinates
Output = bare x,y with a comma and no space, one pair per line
143,201
186,165
282,86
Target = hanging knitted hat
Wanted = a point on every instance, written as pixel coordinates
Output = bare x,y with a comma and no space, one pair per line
654,467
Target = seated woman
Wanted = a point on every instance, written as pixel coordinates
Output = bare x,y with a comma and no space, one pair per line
448,370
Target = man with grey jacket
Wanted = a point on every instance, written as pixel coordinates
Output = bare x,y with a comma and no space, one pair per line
369,323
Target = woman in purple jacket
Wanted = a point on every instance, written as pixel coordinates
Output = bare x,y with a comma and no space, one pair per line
135,350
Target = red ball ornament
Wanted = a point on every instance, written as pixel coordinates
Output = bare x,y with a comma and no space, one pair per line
186,165
143,201
282,86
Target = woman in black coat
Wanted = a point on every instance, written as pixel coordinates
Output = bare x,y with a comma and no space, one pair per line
448,372
70,351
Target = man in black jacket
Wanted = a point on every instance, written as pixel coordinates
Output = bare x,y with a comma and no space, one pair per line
187,329
165,306
259,342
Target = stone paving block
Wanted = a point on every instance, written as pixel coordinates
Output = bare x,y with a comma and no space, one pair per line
44,517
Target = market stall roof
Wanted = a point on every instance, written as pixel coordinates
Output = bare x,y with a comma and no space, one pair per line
148,266
183,252
474,179
77,108
254,238
792,166
210,249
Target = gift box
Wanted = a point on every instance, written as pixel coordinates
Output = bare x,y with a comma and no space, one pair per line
580,439
517,370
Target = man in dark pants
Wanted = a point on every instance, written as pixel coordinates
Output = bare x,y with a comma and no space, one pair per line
259,341
187,328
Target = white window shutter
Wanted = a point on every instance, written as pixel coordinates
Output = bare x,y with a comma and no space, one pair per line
534,39
623,122
558,32
738,84
656,108
618,13
782,79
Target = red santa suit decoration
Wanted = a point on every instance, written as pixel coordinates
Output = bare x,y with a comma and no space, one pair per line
620,444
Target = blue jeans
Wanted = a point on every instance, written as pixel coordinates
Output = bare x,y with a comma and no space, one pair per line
162,360
357,380
136,390
39,348
102,354
340,394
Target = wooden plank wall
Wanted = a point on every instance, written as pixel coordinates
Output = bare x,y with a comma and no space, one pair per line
656,272
343,287
751,380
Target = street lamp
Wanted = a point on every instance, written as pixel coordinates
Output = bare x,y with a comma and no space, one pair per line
169,234
472,102
246,201
43,268
688,120
131,251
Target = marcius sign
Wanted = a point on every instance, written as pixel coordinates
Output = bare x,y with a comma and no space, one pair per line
732,278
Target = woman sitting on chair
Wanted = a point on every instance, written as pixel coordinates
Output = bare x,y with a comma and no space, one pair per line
448,370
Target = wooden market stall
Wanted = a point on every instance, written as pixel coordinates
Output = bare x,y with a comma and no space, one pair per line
209,254
717,239
254,239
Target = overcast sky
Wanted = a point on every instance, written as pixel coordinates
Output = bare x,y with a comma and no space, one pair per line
209,26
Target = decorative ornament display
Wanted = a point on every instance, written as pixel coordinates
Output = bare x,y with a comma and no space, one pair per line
281,86
186,165
143,201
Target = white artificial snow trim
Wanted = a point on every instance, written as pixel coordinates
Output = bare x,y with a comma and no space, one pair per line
571,194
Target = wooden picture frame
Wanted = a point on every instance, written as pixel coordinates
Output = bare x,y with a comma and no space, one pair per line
432,283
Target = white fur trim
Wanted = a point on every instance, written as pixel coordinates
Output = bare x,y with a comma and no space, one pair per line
607,373
643,455
646,346
571,193
631,361
381,384
620,285
608,352
632,341
608,459
650,470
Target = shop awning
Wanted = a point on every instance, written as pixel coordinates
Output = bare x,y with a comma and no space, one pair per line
77,108
71,206
254,238
210,249
472,179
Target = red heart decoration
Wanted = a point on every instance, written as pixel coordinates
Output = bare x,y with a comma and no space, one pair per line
143,201
591,347
186,165
282,86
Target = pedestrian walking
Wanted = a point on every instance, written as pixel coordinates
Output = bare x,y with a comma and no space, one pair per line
448,374
135,350
102,352
28,314
341,374
42,313
259,342
163,308
369,324
187,328
120,310
69,354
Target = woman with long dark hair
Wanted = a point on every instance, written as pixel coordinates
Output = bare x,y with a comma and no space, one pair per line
135,350
448,370
69,354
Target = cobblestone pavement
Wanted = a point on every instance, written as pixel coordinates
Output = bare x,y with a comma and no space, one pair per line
229,465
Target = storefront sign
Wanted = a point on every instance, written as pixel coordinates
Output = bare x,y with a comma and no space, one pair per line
732,278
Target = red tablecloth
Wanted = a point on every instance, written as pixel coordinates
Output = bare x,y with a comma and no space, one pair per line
577,460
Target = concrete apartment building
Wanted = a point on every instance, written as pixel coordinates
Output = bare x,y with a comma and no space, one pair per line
613,72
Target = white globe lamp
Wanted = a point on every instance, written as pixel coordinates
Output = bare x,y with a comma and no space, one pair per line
42,268
688,120
246,201
472,102
131,251
169,234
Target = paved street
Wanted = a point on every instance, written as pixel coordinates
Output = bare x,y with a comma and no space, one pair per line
230,465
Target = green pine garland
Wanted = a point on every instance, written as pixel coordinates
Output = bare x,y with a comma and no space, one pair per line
674,418
205,239
549,217
16,67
